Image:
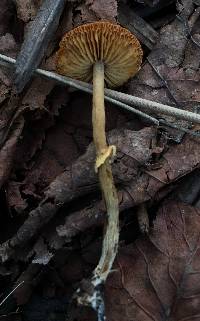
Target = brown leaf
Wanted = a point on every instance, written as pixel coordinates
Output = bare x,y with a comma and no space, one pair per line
49,146
166,76
177,161
36,94
93,10
9,114
43,150
103,9
157,277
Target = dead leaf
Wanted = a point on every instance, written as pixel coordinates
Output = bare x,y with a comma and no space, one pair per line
51,144
178,161
103,9
37,93
93,10
164,76
157,277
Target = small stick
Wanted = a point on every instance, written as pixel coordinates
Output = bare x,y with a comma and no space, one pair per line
36,41
155,107
182,129
4,300
80,85
125,98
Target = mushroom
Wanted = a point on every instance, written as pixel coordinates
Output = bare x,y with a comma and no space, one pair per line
98,52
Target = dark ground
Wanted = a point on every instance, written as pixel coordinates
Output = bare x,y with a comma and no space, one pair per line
51,209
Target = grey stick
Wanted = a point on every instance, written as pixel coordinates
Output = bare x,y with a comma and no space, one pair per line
117,96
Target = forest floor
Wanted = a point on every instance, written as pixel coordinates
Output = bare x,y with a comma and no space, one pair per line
51,212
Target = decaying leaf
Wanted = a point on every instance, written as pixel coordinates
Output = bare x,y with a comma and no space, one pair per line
93,10
157,277
103,10
166,75
36,95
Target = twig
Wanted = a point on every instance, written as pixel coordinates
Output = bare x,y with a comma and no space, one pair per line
138,26
115,95
154,106
36,41
78,85
185,130
163,80
3,301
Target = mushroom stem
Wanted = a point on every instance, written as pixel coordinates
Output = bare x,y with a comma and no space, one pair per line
98,112
104,152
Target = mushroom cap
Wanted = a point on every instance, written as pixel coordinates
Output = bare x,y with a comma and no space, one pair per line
102,41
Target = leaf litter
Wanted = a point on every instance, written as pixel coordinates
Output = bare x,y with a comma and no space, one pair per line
157,276
52,210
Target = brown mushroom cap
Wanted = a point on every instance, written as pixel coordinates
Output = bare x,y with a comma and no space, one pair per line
103,41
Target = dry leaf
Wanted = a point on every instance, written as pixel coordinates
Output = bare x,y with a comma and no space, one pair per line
157,277
93,10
